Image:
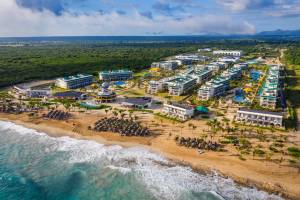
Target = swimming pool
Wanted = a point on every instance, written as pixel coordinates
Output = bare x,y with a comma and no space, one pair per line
120,83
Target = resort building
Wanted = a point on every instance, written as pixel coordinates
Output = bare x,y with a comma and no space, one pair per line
137,102
243,66
201,74
235,53
106,96
23,92
70,95
74,82
204,50
176,85
228,59
38,89
179,85
269,93
180,111
188,59
116,75
210,90
166,65
258,117
217,86
217,66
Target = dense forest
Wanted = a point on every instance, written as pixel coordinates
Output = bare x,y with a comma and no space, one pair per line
292,55
21,64
39,60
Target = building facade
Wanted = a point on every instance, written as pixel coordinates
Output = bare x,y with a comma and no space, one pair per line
269,94
260,118
74,82
116,75
236,53
166,65
179,111
210,90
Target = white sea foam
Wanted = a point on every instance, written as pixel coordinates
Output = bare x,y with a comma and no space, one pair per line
164,179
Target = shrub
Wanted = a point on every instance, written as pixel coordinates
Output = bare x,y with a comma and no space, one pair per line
259,152
272,148
294,151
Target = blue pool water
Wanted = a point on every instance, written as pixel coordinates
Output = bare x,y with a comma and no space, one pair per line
35,166
255,75
120,83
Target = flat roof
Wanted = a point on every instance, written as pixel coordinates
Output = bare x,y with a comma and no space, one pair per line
184,106
138,100
78,76
116,71
72,94
261,112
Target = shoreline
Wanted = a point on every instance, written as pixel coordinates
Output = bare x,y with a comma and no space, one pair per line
207,163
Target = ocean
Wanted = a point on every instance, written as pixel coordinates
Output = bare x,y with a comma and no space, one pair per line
35,166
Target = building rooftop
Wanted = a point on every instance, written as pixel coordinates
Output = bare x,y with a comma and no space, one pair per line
68,94
138,100
179,105
261,112
116,71
78,76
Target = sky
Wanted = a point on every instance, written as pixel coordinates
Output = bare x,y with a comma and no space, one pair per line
145,17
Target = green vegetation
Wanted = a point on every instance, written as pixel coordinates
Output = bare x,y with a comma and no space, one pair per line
292,56
49,61
259,152
294,151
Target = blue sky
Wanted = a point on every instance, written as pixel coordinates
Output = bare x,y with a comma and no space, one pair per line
146,17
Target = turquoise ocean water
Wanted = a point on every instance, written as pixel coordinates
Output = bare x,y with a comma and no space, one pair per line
35,166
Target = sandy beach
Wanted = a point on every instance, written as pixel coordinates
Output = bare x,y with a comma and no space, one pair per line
270,176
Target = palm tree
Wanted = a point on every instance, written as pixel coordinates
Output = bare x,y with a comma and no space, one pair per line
115,113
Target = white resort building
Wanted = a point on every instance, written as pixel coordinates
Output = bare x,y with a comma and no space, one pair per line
180,111
201,74
210,90
236,53
166,65
269,94
116,75
74,82
176,85
258,117
217,86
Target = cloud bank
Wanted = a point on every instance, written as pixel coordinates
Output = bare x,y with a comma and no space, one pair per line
18,19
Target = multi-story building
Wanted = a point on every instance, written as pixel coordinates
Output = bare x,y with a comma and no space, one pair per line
228,59
181,85
21,91
188,59
236,53
258,117
73,82
217,86
116,75
201,74
180,111
166,65
176,85
210,90
217,66
243,66
269,94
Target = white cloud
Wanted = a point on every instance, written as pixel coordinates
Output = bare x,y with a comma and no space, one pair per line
19,21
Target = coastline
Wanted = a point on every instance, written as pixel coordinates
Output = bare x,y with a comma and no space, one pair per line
252,173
